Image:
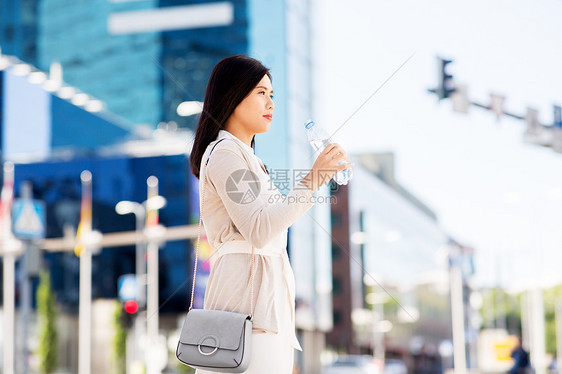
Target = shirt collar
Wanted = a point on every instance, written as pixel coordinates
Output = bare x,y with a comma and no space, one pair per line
226,134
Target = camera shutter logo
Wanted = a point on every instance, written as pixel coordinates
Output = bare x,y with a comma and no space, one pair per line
243,186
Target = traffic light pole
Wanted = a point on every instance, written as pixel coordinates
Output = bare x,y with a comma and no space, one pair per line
139,330
155,233
152,314
88,242
85,312
536,133
140,269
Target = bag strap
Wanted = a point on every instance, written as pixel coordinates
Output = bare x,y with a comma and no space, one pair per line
199,236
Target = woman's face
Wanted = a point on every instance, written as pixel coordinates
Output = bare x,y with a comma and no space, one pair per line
254,114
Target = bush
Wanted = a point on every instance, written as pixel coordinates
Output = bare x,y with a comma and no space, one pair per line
46,309
119,341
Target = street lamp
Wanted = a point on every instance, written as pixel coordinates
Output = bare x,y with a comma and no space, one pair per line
132,207
139,210
154,233
153,203
189,108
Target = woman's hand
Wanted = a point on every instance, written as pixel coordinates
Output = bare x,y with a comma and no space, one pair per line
326,166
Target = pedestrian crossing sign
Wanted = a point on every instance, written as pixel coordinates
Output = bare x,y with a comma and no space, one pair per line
28,219
128,287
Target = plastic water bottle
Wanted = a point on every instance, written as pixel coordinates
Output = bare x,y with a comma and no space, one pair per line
319,139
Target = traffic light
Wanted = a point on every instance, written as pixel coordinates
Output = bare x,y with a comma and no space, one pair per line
128,291
131,307
129,311
446,86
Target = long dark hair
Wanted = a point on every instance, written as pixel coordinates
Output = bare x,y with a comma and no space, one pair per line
231,80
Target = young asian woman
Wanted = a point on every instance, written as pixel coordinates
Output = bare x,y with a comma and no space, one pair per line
236,216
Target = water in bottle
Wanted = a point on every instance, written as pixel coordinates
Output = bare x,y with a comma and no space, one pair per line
319,139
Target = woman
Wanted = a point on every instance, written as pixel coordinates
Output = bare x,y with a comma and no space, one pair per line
243,208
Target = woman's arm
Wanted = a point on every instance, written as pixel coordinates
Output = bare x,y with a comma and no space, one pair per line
259,220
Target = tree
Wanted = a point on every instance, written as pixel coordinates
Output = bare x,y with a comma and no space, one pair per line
500,307
551,297
119,341
511,311
46,309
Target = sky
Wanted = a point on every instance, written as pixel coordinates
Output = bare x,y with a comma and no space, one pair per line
490,189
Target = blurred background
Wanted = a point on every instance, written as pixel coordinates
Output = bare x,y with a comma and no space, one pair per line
441,253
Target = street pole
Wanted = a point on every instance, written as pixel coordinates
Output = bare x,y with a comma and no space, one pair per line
140,269
86,241
139,331
140,265
152,230
457,311
30,268
9,312
11,247
152,314
25,304
538,348
85,312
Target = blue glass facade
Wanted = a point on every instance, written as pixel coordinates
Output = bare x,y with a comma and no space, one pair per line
73,127
19,28
140,76
114,179
27,109
117,69
188,56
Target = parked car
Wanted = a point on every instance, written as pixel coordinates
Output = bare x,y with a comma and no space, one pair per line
395,366
353,364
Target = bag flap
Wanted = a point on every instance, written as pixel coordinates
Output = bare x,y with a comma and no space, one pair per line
213,328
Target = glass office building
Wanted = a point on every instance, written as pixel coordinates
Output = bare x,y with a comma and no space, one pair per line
399,268
115,178
142,58
35,122
51,141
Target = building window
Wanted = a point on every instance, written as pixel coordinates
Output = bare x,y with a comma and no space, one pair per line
336,285
335,219
336,251
337,317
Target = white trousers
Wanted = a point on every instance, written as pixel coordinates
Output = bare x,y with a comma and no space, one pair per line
271,354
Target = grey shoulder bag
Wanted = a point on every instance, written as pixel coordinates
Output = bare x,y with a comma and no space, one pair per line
216,340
